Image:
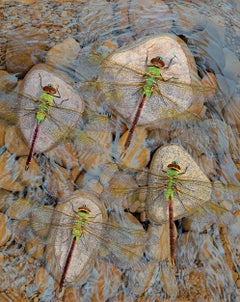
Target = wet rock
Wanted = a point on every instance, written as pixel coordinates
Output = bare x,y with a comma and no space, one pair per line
43,280
58,181
104,281
13,176
63,54
143,16
126,240
20,58
140,278
118,194
64,155
5,233
137,155
14,142
93,146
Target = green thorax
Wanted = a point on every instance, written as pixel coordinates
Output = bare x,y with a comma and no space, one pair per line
150,80
46,100
169,191
79,227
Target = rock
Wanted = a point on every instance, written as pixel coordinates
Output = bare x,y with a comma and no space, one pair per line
137,155
119,193
141,278
128,66
13,176
160,250
149,18
58,181
62,121
5,233
19,58
86,248
104,281
3,127
232,113
14,142
168,280
4,197
125,240
186,197
43,280
64,155
63,54
93,145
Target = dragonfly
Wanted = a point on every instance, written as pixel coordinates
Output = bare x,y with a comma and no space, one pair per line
56,119
171,196
45,225
47,100
144,96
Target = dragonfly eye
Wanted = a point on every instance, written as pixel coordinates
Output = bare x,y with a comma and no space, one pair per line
159,58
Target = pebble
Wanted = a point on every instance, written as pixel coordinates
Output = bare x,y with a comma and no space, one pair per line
5,233
63,54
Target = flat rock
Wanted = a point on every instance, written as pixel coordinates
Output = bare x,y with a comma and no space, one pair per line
86,249
192,182
122,75
62,120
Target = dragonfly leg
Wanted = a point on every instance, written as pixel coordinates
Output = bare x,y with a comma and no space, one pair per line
183,171
40,77
170,62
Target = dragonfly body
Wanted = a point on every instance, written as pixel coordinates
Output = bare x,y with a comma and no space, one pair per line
47,100
172,172
77,232
147,90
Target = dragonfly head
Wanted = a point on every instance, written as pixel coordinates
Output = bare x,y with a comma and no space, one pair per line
50,89
158,62
84,209
174,166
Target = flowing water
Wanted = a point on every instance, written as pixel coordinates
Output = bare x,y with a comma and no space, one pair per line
74,38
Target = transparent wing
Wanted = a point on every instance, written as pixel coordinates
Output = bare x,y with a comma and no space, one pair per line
189,195
122,86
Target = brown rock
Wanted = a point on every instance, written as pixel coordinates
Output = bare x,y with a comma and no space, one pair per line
19,58
106,284
14,142
5,233
42,280
64,155
13,176
58,181
143,16
137,155
119,192
63,54
3,127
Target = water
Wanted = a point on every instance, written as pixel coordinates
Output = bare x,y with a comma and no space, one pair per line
208,248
